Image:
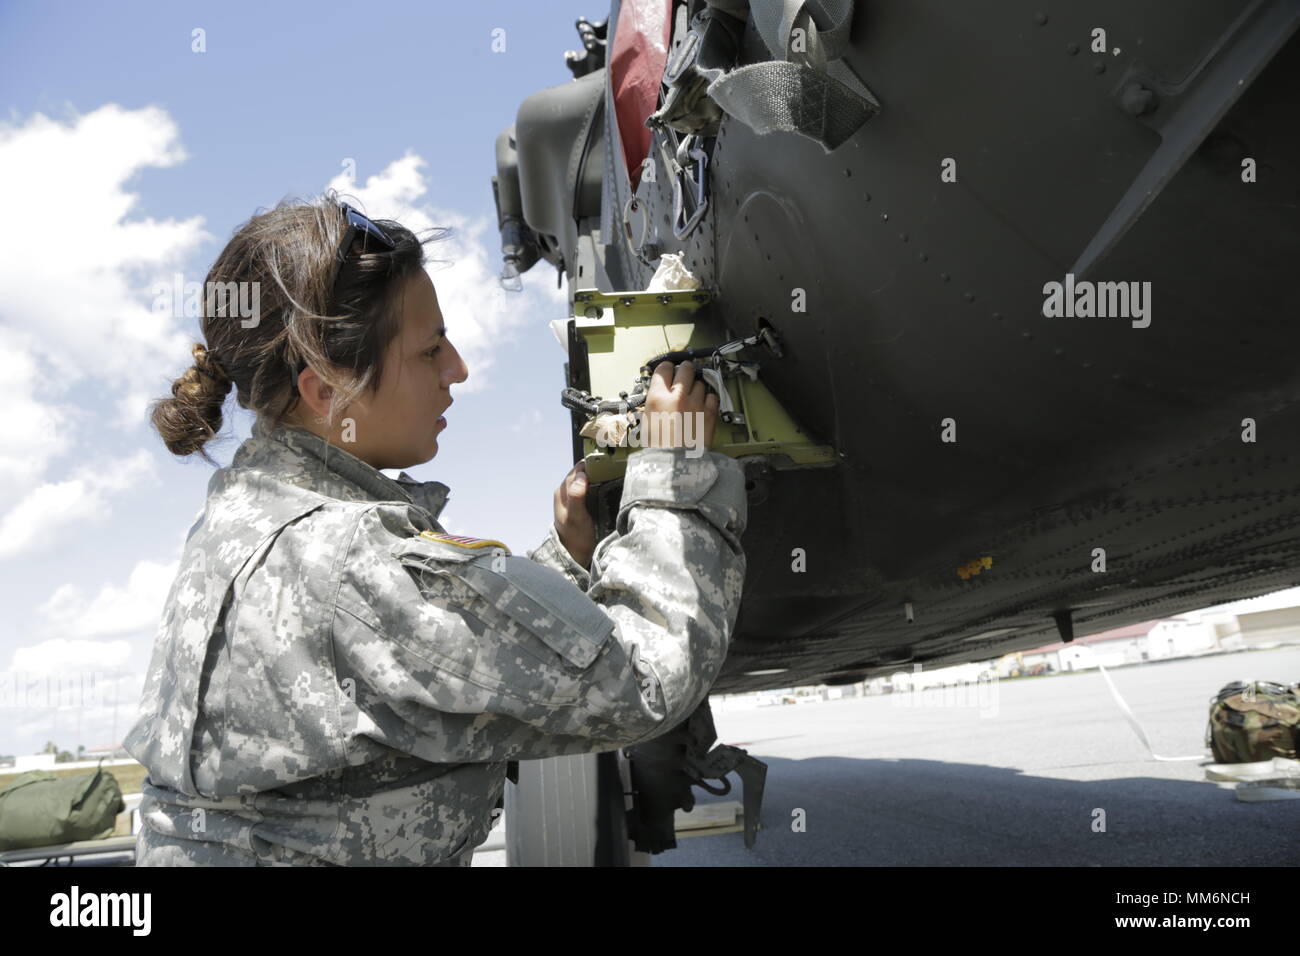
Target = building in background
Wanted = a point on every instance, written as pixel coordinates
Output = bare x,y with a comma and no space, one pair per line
1255,622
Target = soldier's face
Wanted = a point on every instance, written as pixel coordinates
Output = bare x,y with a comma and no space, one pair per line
401,421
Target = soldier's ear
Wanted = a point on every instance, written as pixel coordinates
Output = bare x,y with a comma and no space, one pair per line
316,392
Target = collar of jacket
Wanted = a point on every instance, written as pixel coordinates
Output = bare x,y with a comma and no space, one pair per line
324,464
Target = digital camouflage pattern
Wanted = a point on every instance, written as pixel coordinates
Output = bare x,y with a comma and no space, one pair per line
331,686
1254,721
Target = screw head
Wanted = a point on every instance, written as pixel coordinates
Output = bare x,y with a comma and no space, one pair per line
1137,100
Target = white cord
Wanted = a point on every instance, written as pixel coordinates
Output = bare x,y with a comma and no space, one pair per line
1137,728
645,228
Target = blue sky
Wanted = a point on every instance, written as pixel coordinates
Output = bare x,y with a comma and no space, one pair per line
134,158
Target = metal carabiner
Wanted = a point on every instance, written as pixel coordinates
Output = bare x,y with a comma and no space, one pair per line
690,147
726,410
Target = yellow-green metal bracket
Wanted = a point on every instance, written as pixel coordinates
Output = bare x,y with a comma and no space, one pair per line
624,330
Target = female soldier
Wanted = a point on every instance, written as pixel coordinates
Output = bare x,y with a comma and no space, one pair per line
335,679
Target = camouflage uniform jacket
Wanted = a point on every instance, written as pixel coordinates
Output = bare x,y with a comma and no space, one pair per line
333,684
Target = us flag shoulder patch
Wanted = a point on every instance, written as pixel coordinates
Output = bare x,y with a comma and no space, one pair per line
461,541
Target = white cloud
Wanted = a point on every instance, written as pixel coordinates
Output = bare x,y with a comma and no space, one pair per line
70,691
32,431
480,315
77,276
114,610
61,655
531,420
33,523
76,310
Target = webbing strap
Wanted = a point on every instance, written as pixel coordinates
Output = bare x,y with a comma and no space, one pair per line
812,92
1133,721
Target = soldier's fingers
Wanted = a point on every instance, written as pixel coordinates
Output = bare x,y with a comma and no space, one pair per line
698,392
685,375
562,492
578,480
561,507
660,381
710,418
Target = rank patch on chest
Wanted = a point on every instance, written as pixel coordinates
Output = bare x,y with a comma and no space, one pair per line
461,541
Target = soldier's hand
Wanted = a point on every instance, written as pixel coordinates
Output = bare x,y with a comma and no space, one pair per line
573,522
681,392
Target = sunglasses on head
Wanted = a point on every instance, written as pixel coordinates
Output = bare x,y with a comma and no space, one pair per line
357,225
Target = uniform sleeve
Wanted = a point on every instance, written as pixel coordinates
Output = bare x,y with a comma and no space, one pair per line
553,554
477,658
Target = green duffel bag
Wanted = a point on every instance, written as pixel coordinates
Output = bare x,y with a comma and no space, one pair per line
41,809
1252,721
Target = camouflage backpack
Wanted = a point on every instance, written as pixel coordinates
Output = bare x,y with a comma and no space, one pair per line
1251,721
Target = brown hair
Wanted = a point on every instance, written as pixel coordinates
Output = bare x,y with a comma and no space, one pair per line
286,257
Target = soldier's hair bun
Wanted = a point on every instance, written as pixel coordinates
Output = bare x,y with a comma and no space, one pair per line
192,416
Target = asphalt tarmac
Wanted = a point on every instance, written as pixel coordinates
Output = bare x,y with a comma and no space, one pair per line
1021,773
